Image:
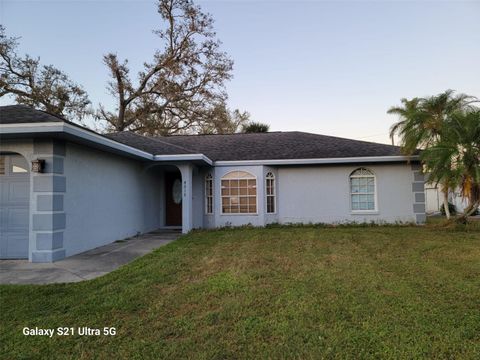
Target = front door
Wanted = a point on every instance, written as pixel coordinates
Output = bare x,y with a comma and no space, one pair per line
173,199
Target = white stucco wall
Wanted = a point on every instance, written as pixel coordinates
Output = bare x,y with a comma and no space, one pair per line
107,198
322,195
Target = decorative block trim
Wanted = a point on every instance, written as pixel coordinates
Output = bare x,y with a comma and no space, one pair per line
421,218
48,255
418,176
49,240
49,222
49,183
50,202
419,208
419,197
418,187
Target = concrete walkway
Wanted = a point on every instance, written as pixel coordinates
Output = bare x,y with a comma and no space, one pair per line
87,265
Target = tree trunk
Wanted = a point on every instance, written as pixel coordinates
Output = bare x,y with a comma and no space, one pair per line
445,202
469,211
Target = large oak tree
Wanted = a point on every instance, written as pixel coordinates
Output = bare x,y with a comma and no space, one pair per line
181,87
40,86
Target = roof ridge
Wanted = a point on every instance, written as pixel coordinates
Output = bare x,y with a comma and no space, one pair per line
228,134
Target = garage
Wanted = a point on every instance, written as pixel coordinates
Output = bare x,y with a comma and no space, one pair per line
14,206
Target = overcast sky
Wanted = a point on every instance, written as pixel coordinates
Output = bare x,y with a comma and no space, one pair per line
329,67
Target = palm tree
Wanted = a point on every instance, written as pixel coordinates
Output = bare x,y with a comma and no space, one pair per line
423,123
256,127
456,158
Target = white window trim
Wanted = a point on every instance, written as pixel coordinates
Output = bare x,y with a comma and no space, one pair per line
209,177
274,195
375,195
222,196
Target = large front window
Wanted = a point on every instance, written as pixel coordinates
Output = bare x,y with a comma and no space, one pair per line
362,190
239,193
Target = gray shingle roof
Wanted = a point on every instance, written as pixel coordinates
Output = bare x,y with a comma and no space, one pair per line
256,146
154,146
263,146
280,145
21,114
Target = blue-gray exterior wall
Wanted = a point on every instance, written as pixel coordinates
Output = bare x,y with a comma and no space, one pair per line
108,198
322,195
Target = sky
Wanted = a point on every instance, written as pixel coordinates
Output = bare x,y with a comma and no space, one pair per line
328,67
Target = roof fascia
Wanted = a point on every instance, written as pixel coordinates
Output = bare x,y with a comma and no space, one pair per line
346,160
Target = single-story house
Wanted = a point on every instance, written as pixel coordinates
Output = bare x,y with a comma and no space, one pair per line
65,189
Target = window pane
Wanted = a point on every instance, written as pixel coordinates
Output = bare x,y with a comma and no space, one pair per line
244,209
243,183
355,206
270,204
2,165
18,169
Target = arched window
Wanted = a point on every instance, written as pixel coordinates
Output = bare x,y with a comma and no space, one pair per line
363,190
239,193
209,194
270,192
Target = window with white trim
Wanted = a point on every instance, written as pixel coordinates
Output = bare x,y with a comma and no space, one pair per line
270,192
209,194
239,193
362,190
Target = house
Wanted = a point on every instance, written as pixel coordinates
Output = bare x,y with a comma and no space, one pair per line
434,199
66,189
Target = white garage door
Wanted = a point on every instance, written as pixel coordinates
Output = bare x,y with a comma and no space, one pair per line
14,207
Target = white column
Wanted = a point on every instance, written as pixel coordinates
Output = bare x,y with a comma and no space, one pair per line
187,197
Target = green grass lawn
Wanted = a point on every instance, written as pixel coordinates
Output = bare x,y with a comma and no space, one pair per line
306,292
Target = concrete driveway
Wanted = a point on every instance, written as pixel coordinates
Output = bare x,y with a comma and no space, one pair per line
87,265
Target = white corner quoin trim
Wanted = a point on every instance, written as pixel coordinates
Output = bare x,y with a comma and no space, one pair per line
56,127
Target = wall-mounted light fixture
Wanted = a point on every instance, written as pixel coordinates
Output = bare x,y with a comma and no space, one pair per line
38,165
